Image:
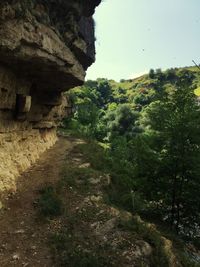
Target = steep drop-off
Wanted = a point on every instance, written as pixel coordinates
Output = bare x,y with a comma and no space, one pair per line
45,49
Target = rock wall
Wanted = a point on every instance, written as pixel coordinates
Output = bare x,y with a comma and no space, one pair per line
45,48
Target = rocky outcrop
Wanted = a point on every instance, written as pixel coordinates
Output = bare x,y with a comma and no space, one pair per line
45,48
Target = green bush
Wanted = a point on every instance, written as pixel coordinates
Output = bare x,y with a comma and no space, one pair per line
49,203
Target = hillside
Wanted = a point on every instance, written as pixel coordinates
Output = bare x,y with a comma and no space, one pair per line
149,128
147,84
97,99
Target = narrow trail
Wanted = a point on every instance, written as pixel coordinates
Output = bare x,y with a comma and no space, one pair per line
93,226
23,240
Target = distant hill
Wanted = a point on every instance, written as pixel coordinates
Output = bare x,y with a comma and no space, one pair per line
96,100
140,91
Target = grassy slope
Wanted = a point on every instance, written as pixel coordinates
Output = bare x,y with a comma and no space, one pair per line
145,82
86,230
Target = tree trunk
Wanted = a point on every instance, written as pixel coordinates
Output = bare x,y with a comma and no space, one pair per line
173,203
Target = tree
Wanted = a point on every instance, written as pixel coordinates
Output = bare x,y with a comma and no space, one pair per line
171,75
122,121
151,74
175,122
104,89
87,115
160,75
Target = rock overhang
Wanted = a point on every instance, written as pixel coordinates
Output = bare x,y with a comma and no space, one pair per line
50,43
46,47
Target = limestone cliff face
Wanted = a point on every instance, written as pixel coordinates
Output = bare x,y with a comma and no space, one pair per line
45,48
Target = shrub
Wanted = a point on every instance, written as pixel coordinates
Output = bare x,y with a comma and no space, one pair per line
49,203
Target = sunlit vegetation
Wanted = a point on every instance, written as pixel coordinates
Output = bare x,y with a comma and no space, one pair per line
151,127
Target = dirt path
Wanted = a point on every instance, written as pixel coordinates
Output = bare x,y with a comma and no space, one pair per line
90,229
23,241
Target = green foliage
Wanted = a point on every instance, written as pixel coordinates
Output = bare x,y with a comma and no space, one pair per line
49,204
151,74
122,121
175,121
122,160
151,128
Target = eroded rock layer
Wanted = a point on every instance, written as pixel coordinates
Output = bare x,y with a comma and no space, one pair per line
45,48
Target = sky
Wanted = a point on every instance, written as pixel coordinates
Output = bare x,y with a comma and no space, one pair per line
133,36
